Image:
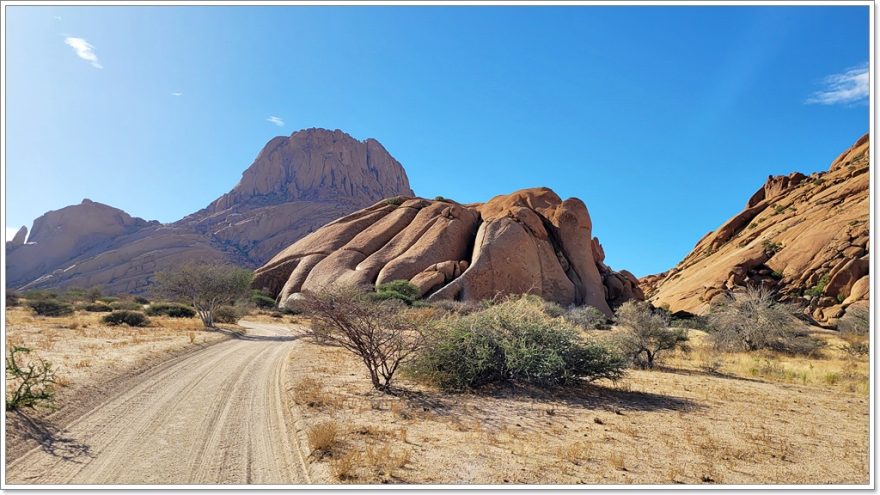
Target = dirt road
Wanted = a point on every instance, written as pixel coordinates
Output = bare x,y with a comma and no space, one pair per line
215,416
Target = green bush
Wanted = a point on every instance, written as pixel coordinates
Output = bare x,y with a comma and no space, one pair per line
586,317
262,300
819,288
95,307
172,310
12,299
141,300
227,314
514,340
395,201
50,307
126,305
130,318
646,333
107,299
402,290
33,295
28,384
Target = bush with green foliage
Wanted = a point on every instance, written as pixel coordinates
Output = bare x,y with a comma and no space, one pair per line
127,305
513,340
125,317
646,333
753,320
819,288
206,287
586,317
401,290
172,310
141,300
227,314
50,307
28,384
108,299
262,300
13,298
395,201
95,307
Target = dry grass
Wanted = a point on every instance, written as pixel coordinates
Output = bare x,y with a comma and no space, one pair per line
705,418
322,437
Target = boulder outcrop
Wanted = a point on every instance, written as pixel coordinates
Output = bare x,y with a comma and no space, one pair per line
529,241
296,185
806,237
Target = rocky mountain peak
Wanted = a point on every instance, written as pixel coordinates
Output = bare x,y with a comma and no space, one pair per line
318,165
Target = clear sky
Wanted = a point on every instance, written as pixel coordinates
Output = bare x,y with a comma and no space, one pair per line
664,120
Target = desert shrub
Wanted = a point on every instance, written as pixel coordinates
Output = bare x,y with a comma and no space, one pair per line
819,288
227,314
262,299
459,307
95,307
50,307
28,384
126,305
395,201
856,321
753,320
646,333
381,334
37,295
206,286
322,437
141,300
107,299
513,340
586,317
172,310
401,290
125,317
12,299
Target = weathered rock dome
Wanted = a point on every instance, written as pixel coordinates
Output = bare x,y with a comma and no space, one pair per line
529,241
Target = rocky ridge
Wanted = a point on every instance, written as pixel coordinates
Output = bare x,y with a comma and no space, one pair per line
806,237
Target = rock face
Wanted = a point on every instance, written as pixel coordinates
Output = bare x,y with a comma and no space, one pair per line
296,185
526,242
806,237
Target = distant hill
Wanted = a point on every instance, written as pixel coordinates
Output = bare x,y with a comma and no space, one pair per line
296,185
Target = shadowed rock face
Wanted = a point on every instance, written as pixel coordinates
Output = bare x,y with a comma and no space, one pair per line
526,242
296,185
797,234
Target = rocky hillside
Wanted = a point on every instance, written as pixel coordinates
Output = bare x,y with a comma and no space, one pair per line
526,242
805,236
296,185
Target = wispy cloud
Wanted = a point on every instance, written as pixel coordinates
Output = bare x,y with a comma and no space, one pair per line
849,86
276,120
177,93
84,50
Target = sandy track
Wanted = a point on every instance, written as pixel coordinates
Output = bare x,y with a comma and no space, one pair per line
215,416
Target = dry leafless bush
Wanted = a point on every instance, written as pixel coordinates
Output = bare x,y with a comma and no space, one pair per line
646,333
380,333
753,320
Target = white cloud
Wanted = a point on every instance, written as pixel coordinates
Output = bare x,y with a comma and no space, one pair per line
275,120
846,87
84,50
177,93
57,17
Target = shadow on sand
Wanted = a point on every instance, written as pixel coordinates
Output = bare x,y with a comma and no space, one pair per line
52,440
270,338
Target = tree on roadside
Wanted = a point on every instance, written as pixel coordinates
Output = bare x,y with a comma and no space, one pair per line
380,333
206,286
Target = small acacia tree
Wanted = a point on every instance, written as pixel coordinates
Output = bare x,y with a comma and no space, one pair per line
380,333
206,286
646,333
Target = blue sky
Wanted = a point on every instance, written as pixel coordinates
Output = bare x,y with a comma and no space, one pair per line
664,120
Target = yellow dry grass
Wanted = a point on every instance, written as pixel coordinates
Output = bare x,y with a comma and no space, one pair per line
682,424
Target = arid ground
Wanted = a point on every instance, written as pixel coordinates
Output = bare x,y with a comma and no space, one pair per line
257,403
